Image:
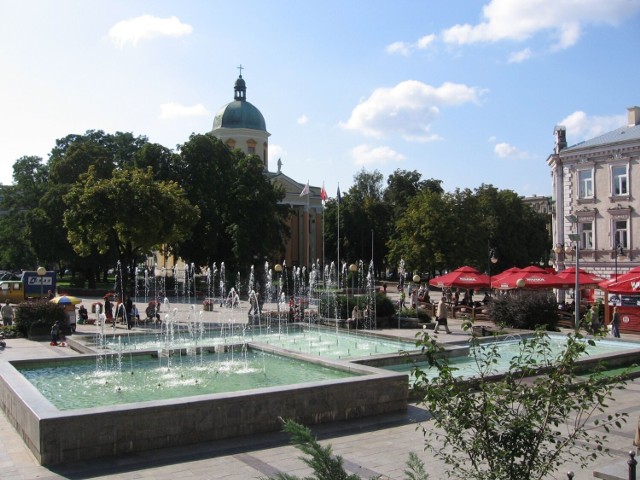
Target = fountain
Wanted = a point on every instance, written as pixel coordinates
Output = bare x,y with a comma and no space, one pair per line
190,363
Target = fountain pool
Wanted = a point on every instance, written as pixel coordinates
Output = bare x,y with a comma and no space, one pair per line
79,384
314,341
616,352
57,431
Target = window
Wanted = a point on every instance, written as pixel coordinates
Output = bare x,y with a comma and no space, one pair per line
621,234
619,180
585,184
586,235
251,150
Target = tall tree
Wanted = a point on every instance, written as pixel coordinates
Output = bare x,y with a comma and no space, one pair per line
240,217
129,211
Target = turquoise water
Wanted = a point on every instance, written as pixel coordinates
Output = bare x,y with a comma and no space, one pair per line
83,383
508,349
317,343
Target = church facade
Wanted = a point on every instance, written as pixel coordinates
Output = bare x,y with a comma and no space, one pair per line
239,124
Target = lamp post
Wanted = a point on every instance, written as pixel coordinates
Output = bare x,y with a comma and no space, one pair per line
575,237
492,259
353,268
618,251
41,271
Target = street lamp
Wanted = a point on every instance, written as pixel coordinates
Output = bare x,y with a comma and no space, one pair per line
353,268
617,251
575,237
41,271
492,259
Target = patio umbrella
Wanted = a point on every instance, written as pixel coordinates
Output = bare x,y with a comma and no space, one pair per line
531,278
585,279
616,282
65,300
503,274
463,277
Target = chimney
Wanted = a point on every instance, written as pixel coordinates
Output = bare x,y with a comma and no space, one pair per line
634,116
560,132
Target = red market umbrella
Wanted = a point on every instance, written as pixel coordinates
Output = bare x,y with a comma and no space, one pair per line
528,278
629,286
585,279
504,274
631,275
463,277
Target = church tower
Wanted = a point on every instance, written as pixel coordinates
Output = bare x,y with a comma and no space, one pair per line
239,124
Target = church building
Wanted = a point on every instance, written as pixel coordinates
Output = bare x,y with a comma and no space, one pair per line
239,124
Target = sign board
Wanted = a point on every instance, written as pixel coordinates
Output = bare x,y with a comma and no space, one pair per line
36,285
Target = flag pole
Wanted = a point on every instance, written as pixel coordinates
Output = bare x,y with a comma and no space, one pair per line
338,260
308,254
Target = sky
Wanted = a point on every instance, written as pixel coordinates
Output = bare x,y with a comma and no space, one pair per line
464,91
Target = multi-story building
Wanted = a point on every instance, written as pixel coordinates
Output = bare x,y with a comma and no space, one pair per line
596,200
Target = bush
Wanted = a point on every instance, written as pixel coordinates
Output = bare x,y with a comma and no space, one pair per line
40,313
526,310
422,314
345,304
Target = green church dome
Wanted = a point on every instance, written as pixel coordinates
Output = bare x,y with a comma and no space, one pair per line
239,113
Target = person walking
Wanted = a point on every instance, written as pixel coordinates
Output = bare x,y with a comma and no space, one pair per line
128,311
7,314
615,323
441,316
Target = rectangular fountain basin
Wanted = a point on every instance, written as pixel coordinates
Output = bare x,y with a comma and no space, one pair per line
56,436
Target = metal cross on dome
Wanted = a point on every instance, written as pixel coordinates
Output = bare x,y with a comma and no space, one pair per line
240,68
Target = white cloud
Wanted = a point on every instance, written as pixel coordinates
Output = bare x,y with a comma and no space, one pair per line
520,56
581,126
173,110
366,155
408,109
522,19
505,150
303,120
401,48
146,27
404,48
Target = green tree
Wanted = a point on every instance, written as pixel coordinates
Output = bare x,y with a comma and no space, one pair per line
129,212
241,220
527,423
364,219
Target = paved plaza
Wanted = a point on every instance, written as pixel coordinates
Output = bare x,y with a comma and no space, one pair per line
370,447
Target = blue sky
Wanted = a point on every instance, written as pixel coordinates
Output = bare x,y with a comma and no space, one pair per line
464,91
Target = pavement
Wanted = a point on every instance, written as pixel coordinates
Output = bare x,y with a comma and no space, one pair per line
370,447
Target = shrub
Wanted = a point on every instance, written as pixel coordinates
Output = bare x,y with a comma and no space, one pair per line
344,305
526,309
38,313
422,314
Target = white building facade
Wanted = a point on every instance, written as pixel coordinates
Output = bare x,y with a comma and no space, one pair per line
596,195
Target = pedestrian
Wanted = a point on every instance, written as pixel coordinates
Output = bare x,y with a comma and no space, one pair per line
108,309
55,333
441,316
7,313
615,323
128,311
636,441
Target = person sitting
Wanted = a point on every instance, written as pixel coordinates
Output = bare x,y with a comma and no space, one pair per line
153,311
83,314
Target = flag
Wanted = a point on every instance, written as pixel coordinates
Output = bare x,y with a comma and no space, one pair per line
339,196
323,193
305,190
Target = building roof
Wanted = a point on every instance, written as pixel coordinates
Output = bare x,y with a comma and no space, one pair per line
239,113
619,135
